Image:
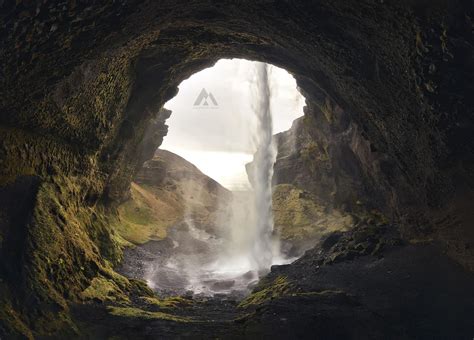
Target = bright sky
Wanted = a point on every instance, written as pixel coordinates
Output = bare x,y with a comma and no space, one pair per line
218,138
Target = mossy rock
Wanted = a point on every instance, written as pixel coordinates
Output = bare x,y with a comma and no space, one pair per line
267,291
102,289
299,217
147,215
137,313
11,322
167,303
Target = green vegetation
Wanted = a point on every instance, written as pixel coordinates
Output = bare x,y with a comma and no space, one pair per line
103,290
299,217
146,216
314,155
169,302
78,251
279,287
327,110
131,312
73,144
158,203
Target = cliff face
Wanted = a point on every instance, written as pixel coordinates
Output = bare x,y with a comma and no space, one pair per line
333,162
329,155
80,83
325,175
301,220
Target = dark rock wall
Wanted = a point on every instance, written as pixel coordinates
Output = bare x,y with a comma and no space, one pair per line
326,154
80,82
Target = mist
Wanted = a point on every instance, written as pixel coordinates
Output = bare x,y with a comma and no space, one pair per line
227,250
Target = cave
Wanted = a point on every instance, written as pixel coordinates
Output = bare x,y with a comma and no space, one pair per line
386,140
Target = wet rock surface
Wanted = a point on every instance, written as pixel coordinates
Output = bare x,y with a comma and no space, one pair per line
183,264
301,219
389,296
401,291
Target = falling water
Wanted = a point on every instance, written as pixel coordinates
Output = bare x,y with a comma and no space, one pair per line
250,246
262,171
247,248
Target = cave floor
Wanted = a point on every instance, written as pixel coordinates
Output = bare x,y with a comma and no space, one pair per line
202,318
179,265
363,284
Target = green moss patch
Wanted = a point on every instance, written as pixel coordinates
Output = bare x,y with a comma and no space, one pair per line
279,287
169,302
76,257
146,216
299,217
103,290
131,312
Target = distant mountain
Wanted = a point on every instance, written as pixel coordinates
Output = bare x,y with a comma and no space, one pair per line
166,191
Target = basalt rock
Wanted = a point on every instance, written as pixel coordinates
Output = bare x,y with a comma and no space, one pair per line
385,295
300,219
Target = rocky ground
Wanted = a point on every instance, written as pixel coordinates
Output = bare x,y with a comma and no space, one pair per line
177,264
177,219
361,284
358,280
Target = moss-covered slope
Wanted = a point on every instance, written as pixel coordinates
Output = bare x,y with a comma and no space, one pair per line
147,215
300,220
169,190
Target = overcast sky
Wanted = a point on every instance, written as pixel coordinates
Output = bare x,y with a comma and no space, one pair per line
218,138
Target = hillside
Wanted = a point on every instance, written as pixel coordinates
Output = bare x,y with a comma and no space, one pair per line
167,190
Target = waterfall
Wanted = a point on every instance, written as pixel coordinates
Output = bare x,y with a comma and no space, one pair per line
262,170
250,245
243,247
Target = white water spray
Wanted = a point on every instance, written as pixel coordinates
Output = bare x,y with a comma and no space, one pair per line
262,172
250,246
246,247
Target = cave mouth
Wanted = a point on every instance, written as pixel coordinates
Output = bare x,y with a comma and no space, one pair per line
214,245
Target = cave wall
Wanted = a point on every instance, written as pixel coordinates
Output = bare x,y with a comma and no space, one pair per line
327,154
81,81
